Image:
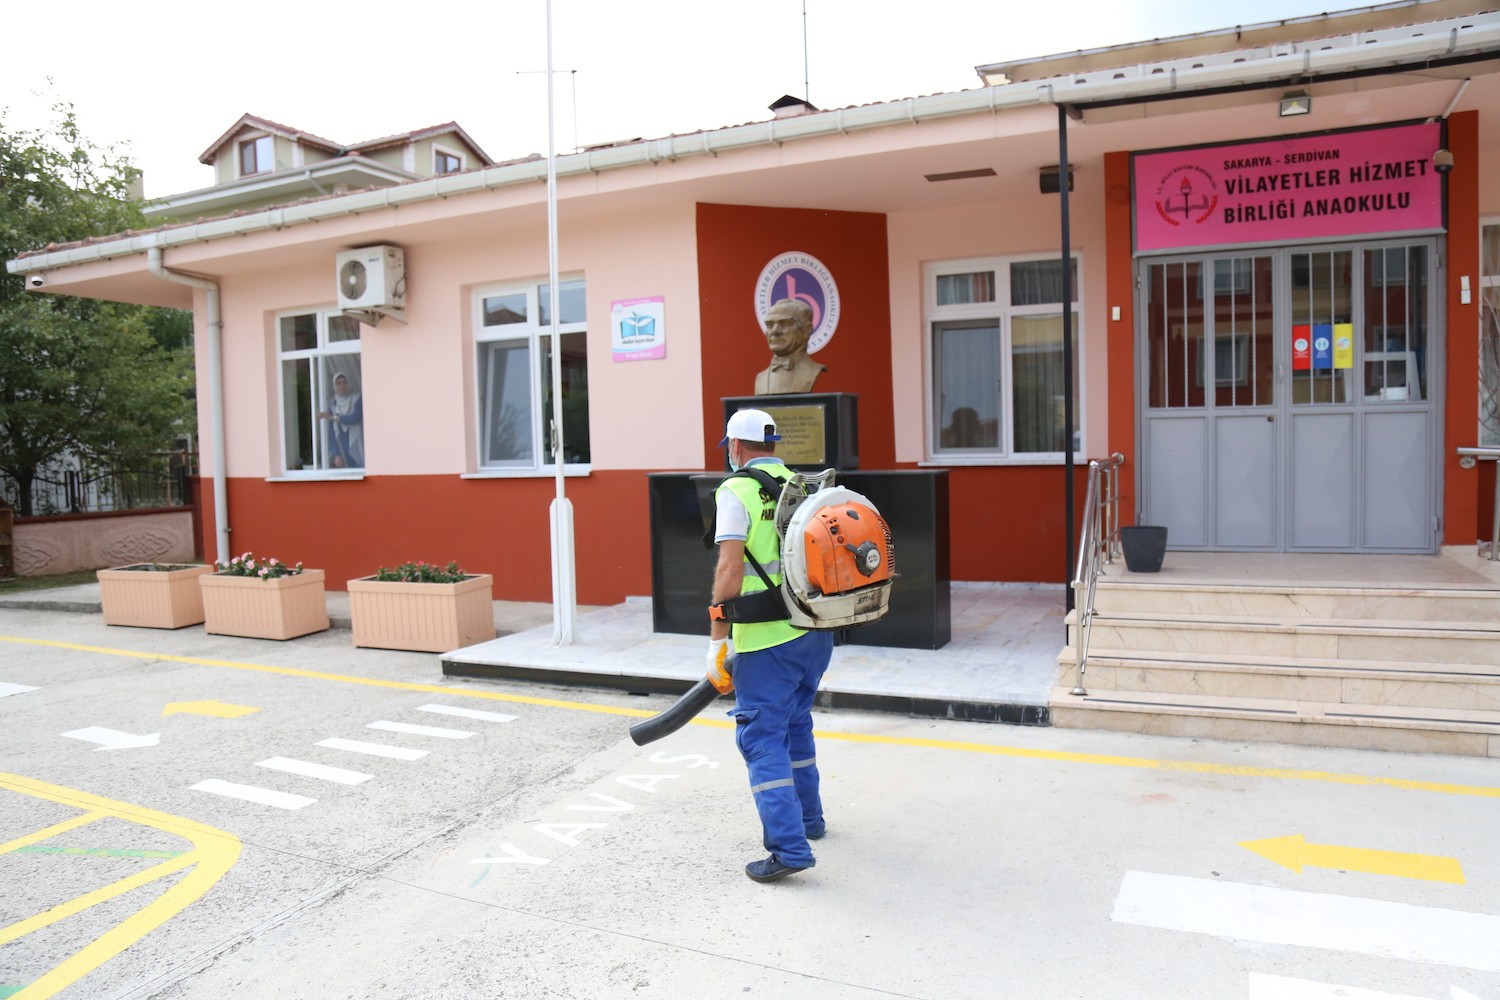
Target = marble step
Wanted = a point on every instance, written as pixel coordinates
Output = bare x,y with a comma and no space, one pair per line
1368,682
1468,732
1291,602
1348,639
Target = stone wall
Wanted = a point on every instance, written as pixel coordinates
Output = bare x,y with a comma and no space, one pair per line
69,543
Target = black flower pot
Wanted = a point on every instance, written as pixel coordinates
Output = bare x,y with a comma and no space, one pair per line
1145,546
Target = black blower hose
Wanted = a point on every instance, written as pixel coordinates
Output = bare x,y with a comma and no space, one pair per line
697,698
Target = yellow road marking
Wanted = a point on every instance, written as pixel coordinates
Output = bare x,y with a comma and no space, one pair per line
342,678
1295,852
1102,760
1186,766
214,709
214,853
50,832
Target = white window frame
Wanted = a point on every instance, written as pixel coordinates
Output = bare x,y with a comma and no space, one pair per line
1002,313
537,338
463,161
1487,282
322,349
239,154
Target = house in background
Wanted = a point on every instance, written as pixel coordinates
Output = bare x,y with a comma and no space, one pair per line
1235,197
258,163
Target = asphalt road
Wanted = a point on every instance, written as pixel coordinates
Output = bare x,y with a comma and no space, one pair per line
314,820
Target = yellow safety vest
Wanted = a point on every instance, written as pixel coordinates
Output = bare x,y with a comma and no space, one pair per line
763,544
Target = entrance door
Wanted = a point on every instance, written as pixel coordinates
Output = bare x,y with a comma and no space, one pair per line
1287,399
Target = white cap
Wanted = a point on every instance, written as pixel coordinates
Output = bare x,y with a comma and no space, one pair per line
751,425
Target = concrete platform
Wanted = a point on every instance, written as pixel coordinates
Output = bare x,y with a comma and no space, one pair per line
1000,666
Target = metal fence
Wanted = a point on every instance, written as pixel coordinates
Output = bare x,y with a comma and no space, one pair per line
83,490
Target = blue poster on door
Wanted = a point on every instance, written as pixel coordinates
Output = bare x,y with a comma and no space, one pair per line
1322,345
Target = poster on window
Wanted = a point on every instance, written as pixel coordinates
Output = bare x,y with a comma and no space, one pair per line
638,329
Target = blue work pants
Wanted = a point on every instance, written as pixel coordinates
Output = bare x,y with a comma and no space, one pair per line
774,690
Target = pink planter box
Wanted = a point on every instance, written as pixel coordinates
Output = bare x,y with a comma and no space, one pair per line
283,608
147,598
429,617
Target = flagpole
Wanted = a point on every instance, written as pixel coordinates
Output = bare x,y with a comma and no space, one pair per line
564,584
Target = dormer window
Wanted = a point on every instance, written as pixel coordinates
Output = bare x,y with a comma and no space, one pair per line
444,162
257,156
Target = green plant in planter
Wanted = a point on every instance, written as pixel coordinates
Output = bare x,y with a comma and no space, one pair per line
248,565
422,572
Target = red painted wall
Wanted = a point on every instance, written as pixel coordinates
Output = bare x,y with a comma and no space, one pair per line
497,526
1120,291
1465,516
734,243
1006,522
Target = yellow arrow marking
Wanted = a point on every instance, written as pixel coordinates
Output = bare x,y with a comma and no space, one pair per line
1294,852
217,709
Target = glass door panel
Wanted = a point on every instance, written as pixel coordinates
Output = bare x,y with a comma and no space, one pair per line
1322,328
1395,334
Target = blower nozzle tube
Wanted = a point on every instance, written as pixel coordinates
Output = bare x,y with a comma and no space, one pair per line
697,698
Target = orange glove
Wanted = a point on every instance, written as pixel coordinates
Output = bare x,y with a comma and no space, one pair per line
718,675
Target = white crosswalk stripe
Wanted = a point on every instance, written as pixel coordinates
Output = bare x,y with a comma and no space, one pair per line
373,749
1310,920
7,688
308,769
253,793
409,729
468,713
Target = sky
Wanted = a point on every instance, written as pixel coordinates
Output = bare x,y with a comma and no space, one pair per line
163,79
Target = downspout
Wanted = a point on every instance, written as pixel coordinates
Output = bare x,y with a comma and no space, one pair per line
215,394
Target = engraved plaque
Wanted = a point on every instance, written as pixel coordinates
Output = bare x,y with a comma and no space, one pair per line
803,431
819,430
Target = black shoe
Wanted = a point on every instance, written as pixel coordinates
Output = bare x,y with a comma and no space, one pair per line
770,869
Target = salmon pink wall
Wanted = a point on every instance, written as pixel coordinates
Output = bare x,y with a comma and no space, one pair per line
734,244
992,230
1007,520
419,379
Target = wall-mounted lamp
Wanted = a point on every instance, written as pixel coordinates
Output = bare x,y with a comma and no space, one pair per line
1294,102
1051,179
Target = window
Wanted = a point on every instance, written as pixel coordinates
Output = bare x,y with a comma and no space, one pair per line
322,392
1489,335
515,375
257,156
444,162
996,358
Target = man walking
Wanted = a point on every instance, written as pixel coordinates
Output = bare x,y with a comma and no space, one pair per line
777,667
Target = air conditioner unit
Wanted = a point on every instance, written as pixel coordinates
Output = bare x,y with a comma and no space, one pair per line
372,282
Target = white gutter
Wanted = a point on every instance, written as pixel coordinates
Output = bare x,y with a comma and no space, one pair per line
215,394
1443,40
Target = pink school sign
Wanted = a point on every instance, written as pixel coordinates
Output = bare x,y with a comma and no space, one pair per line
1293,188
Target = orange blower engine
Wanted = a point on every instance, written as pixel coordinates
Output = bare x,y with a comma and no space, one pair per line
838,563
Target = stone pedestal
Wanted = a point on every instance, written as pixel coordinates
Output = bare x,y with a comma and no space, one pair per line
914,503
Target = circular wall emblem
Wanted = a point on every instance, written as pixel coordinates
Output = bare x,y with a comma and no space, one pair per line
803,277
1187,193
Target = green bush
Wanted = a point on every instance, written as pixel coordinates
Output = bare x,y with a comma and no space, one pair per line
422,572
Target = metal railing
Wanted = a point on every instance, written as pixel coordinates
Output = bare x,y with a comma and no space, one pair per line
1099,545
89,490
1468,458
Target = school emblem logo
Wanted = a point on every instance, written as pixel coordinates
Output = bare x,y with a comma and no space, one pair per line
805,278
1187,194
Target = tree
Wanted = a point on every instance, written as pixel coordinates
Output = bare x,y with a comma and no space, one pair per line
104,382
